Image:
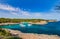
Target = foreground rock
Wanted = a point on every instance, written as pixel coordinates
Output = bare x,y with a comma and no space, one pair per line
33,36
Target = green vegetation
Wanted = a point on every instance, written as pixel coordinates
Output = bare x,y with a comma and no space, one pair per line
4,34
7,20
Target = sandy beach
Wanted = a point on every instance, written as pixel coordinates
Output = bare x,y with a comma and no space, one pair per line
33,36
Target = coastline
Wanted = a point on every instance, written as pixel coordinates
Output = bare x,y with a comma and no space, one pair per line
32,35
28,22
41,23
7,23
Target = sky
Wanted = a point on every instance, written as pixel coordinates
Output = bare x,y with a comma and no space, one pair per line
28,9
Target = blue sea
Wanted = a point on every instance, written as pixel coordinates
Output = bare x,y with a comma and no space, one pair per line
52,28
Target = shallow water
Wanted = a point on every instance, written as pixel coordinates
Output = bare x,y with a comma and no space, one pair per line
50,28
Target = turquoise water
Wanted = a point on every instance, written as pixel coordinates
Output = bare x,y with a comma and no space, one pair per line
50,28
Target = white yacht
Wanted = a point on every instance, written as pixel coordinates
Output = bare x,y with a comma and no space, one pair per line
29,24
22,25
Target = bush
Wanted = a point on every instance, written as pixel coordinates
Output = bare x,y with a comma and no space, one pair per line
4,33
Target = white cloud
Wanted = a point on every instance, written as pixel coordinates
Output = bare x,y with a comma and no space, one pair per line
7,7
14,13
25,14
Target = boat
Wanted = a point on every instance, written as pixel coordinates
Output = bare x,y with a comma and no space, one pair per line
22,25
29,24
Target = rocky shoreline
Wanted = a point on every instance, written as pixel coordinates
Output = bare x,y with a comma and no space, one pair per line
32,35
7,23
41,22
